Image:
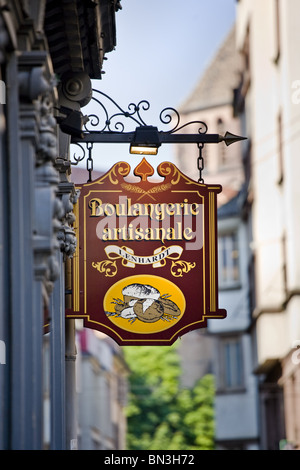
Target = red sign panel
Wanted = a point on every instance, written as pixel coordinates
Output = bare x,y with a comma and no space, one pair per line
145,268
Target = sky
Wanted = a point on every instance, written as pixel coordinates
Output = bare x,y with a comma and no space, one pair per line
163,48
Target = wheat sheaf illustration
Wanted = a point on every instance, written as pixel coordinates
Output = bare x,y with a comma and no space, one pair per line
136,189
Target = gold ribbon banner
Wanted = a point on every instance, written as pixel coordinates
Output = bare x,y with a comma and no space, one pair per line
130,259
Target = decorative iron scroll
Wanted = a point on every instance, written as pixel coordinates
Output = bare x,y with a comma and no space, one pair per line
112,129
112,123
116,122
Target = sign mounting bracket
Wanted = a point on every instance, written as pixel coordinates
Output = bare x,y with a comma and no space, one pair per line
111,126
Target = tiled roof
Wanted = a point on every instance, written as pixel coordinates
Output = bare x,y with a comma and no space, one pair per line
234,206
219,79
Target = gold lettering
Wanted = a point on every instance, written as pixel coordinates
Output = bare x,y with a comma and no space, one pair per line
148,235
124,233
171,234
95,206
178,208
115,233
159,211
130,232
188,233
106,234
170,209
149,210
109,209
196,210
179,230
136,209
139,234
154,211
121,210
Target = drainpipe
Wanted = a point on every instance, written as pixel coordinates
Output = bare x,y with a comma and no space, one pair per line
70,371
74,91
71,406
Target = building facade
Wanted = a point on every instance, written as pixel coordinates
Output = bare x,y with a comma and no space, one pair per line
49,52
225,348
257,345
268,37
101,392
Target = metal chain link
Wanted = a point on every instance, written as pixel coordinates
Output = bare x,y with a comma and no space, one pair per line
89,162
200,162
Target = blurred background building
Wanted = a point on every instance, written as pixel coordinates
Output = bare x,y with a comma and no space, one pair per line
101,392
268,37
225,348
254,352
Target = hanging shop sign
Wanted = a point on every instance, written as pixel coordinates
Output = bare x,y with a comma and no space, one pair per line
145,267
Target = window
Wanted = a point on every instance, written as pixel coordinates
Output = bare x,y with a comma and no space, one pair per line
231,364
122,391
228,258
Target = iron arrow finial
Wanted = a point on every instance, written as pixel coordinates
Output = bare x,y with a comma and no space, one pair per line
230,138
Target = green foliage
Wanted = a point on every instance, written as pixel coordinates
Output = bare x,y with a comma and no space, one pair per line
162,415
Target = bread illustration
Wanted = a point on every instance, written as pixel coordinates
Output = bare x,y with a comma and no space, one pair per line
140,291
148,310
144,302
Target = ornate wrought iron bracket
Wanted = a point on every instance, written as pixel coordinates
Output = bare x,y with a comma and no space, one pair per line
112,128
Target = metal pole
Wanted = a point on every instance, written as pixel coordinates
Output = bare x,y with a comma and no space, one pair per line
57,369
123,138
162,138
70,370
71,407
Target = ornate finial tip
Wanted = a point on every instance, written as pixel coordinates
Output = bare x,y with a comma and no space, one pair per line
230,138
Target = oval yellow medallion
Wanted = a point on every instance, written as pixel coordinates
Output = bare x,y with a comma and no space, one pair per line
144,304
